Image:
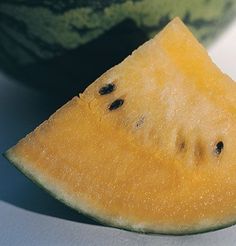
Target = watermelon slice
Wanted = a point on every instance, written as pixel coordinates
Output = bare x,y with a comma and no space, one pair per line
149,146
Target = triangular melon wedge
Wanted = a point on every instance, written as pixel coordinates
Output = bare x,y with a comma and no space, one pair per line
149,146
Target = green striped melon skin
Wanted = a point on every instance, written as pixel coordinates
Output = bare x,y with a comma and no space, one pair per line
42,40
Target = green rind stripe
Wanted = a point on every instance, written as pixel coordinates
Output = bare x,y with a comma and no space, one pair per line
18,31
17,43
62,6
12,51
76,25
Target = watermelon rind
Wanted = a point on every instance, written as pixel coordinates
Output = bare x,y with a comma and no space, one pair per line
116,223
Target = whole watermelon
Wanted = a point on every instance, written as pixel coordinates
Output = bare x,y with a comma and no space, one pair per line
63,45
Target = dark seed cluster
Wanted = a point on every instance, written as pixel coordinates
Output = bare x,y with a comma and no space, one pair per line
109,88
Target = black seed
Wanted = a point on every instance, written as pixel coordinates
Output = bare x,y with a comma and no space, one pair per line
107,89
116,104
219,147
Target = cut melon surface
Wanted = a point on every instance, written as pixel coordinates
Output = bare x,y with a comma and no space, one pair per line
149,146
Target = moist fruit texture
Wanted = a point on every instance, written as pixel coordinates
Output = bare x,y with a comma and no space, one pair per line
149,146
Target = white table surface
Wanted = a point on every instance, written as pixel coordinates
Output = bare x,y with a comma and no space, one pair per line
29,216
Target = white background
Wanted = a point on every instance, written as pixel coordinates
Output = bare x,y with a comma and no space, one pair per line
29,216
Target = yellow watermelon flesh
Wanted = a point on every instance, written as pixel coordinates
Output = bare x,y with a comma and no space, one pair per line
149,146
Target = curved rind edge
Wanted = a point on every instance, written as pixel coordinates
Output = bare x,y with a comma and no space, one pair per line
108,222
